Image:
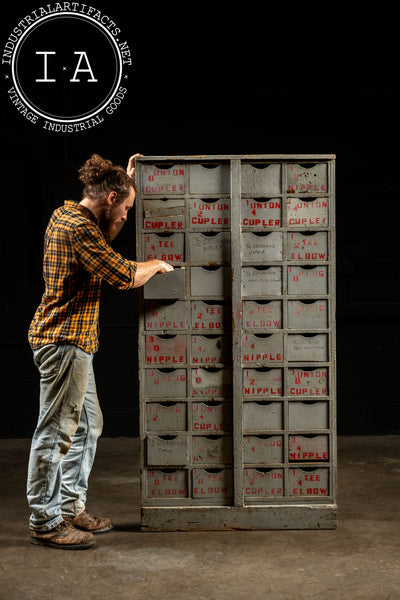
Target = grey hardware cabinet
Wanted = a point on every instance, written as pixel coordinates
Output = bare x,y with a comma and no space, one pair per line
237,347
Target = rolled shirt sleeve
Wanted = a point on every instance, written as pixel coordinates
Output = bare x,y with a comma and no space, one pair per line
96,256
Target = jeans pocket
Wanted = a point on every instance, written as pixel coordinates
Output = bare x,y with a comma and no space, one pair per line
48,359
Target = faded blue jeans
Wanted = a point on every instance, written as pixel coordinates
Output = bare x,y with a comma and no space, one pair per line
65,440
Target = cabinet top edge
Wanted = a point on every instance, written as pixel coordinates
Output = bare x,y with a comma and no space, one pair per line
247,157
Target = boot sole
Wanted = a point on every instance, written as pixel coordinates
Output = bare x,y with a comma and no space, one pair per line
37,542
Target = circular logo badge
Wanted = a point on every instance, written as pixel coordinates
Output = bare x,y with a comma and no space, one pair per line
67,68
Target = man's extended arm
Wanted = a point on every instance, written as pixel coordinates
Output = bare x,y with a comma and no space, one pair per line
98,257
146,270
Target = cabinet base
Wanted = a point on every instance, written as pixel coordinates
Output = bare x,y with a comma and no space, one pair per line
220,518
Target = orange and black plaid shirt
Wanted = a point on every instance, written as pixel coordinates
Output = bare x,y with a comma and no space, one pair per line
76,259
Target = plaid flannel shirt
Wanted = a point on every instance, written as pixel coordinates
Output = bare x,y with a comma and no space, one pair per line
76,259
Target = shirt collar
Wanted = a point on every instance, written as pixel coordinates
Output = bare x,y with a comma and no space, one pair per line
72,204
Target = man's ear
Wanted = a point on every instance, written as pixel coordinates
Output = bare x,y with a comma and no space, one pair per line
111,198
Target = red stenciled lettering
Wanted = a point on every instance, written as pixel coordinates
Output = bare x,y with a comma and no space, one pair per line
300,455
150,224
309,491
162,189
260,391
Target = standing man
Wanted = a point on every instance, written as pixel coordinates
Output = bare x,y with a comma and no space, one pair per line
64,337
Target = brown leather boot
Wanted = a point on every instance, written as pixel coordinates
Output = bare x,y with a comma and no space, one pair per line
64,537
86,522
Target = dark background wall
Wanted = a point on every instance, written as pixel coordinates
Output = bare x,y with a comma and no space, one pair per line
223,83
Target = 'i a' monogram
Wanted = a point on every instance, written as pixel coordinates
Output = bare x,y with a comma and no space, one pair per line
82,59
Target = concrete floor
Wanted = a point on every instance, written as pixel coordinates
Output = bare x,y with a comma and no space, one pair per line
360,560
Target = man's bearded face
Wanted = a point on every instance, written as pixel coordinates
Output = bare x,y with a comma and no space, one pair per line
115,216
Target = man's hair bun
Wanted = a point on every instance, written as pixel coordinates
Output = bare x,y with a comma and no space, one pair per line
100,176
95,170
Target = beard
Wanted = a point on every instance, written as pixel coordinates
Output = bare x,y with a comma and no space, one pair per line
108,226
